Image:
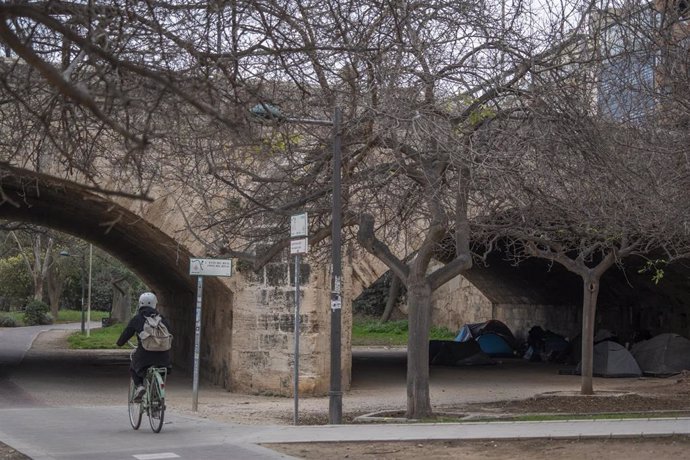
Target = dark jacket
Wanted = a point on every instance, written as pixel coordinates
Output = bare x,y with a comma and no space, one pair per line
144,358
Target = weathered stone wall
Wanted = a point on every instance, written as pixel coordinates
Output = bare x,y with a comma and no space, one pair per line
561,319
459,302
263,330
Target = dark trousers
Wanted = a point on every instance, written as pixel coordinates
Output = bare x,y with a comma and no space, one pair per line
136,378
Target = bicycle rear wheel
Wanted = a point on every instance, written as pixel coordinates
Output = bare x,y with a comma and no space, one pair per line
133,407
156,405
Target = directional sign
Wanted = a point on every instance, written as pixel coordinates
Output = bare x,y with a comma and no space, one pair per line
210,267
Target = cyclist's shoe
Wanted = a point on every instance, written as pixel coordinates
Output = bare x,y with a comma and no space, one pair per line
138,393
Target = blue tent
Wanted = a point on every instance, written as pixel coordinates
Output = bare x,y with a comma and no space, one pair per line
476,330
494,345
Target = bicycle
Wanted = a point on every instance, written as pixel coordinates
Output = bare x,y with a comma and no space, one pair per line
152,403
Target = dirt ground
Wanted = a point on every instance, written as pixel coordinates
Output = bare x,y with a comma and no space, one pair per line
8,453
538,449
52,375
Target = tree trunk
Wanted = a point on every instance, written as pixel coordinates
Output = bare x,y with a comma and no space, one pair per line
120,310
393,293
589,309
54,285
419,317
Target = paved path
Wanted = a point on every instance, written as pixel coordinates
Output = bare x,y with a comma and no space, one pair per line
16,341
104,433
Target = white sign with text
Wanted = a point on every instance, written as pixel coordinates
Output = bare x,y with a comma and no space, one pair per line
210,267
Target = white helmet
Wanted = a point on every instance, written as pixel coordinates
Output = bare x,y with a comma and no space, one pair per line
148,299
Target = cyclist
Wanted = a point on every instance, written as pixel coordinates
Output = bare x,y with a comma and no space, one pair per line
143,359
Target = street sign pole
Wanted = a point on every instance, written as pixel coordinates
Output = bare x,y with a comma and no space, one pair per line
299,244
201,268
297,327
197,343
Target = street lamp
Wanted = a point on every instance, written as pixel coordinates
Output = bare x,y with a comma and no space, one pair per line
64,253
271,113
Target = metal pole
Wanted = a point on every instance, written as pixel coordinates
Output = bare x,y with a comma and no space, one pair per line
81,272
335,406
197,343
88,298
297,327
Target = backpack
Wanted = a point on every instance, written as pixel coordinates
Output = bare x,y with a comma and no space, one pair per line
155,336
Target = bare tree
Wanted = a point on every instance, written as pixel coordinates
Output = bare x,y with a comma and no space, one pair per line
38,262
586,189
172,82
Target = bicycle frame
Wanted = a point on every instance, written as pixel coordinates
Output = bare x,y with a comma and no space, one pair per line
159,374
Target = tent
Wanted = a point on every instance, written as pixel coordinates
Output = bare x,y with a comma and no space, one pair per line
451,353
612,359
495,345
665,354
475,330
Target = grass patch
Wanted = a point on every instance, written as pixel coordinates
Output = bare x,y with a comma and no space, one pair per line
17,316
74,316
64,316
369,331
101,338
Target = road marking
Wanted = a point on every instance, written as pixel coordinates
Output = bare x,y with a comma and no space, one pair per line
155,456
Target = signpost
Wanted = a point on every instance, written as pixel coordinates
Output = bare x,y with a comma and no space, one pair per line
299,244
201,268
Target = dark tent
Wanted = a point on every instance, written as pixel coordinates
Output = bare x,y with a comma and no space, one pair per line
665,354
494,326
451,353
612,359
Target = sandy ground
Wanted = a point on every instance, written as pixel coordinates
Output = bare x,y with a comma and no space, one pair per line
99,377
52,375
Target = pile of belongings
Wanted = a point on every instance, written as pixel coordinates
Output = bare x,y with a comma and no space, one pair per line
545,345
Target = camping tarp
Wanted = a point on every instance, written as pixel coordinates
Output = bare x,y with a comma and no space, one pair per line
612,359
665,354
451,353
475,330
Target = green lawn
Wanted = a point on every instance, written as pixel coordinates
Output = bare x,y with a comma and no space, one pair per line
65,316
74,316
369,331
101,338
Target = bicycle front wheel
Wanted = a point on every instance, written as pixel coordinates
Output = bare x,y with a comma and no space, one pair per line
156,405
134,407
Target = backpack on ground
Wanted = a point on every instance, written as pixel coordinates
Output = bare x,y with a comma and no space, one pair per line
155,336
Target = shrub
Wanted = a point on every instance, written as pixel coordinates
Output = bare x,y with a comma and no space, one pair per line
36,313
7,321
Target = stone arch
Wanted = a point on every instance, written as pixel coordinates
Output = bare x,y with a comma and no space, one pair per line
152,254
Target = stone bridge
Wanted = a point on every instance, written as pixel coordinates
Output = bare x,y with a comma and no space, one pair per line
247,329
